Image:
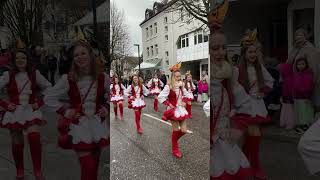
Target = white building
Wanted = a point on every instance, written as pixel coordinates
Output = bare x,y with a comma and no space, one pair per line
166,40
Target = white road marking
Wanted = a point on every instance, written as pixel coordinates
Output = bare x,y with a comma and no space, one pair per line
165,122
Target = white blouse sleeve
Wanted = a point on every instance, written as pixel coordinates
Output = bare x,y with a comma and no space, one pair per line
149,83
111,86
268,80
4,79
54,94
127,92
163,96
161,83
206,108
145,91
42,82
122,86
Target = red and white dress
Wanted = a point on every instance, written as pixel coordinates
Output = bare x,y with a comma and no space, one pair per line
227,159
190,88
256,112
136,96
21,89
117,93
86,96
175,97
155,85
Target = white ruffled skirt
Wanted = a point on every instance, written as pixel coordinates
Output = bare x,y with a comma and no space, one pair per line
138,103
23,117
155,91
228,160
116,98
90,132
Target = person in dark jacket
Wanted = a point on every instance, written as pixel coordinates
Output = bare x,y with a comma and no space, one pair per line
38,60
163,78
64,62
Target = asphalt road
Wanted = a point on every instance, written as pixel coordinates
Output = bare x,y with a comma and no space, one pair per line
57,163
148,156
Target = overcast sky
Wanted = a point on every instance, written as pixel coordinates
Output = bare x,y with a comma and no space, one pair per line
134,14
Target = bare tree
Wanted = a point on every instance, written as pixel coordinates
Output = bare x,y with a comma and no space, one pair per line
24,19
191,10
119,41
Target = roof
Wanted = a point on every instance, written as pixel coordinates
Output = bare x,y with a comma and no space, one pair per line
102,15
162,8
132,60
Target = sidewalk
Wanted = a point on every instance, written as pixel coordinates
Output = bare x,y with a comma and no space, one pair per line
274,132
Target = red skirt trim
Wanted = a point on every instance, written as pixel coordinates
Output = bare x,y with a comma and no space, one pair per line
242,121
65,142
138,107
117,100
242,174
27,124
169,115
154,94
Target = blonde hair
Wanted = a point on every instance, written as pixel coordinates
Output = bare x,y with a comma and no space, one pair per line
172,81
93,67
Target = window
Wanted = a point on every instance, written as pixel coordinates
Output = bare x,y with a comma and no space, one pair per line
155,28
166,37
166,20
167,62
151,50
157,50
200,37
183,41
147,30
147,15
166,28
148,52
167,54
151,31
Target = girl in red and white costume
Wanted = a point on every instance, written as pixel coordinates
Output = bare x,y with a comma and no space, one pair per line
136,92
83,126
22,112
257,82
190,87
175,96
155,85
117,93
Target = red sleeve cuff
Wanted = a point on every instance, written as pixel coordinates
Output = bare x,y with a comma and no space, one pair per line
40,102
166,102
266,89
4,104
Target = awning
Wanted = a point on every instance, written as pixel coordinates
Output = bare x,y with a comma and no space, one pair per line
149,64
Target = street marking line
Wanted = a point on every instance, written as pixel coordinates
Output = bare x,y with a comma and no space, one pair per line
158,119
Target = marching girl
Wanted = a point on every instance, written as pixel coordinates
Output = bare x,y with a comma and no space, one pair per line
155,85
136,92
22,112
257,82
83,126
227,159
117,93
175,96
190,87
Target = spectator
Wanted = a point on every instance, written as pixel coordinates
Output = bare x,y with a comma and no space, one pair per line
52,67
163,77
38,60
64,62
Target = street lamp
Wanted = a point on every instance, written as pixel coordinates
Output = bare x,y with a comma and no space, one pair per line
138,55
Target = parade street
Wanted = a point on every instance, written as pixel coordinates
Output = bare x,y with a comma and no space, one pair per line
148,156
57,163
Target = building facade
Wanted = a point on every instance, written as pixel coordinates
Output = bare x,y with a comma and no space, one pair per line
167,39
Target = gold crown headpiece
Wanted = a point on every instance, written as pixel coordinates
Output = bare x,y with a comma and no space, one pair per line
81,36
250,37
188,73
217,15
175,67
